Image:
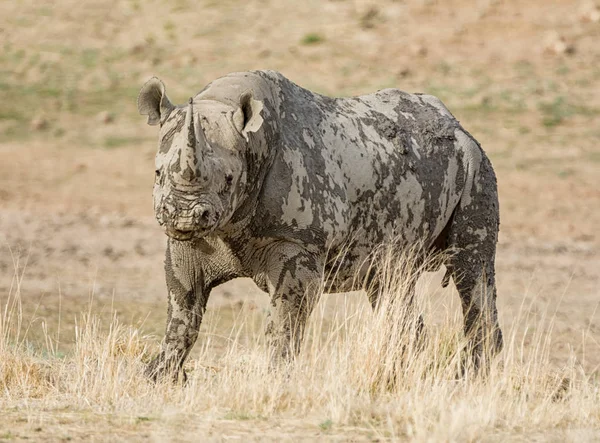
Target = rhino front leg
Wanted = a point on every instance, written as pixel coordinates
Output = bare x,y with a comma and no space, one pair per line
187,295
399,303
403,321
293,279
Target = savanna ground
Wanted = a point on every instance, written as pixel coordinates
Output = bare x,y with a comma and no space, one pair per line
77,233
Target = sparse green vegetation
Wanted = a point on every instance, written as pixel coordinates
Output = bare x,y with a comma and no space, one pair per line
564,173
557,111
444,68
594,156
524,68
119,141
180,5
89,58
326,425
143,419
524,130
238,416
312,38
563,70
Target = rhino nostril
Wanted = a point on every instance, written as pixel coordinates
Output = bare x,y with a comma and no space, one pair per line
205,215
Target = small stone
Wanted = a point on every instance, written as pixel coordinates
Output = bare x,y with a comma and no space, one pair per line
418,50
139,249
39,124
264,53
106,117
127,222
80,167
557,44
364,7
404,72
369,18
137,49
589,12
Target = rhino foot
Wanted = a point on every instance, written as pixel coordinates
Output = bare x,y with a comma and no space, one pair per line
160,369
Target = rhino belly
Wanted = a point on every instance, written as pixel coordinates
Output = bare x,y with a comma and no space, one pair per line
412,212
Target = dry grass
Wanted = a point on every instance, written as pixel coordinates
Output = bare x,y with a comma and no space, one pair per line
359,374
75,194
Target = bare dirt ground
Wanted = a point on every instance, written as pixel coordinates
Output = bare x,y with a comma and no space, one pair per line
76,161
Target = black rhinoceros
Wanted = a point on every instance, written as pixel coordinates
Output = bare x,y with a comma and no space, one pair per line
257,177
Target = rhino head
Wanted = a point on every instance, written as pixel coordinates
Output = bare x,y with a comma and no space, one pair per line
201,171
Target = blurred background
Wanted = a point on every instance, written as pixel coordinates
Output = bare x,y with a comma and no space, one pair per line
76,160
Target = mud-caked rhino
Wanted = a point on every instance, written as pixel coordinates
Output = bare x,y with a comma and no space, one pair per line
257,177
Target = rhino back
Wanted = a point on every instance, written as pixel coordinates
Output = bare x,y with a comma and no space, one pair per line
376,165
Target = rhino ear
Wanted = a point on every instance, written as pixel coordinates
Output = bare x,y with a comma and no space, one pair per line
247,117
153,101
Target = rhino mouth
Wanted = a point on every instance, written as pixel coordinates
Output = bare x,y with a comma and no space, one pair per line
180,235
187,223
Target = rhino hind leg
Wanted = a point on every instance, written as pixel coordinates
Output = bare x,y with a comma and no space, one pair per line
472,241
293,280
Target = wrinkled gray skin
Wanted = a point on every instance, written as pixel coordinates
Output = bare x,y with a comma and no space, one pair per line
257,177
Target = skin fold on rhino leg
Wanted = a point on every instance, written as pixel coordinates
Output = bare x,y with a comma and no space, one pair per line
293,279
188,294
473,236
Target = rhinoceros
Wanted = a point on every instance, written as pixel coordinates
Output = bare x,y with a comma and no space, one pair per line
258,177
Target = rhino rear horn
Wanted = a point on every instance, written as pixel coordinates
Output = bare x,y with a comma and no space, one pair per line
247,117
153,101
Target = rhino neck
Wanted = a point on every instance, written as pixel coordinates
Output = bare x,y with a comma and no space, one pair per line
257,170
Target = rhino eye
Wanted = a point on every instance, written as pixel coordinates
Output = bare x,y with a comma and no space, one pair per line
157,173
229,179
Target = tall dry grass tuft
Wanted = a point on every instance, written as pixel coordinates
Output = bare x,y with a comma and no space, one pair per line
359,369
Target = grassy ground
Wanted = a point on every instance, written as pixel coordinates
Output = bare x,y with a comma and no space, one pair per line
360,376
77,231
